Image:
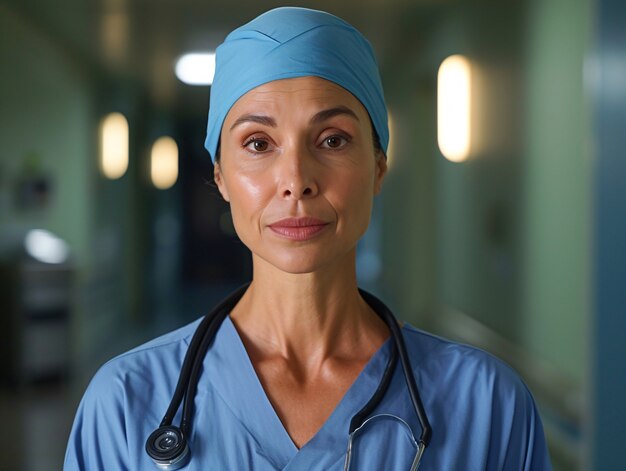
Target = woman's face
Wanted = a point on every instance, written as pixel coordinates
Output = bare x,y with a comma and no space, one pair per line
299,169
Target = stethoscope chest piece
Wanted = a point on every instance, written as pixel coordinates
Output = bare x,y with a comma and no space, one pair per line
168,448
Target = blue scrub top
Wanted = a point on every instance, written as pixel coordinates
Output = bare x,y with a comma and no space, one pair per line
483,416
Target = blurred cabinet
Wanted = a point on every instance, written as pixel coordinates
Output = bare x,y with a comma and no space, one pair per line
35,301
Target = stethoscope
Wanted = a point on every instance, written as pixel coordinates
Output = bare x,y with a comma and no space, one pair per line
168,445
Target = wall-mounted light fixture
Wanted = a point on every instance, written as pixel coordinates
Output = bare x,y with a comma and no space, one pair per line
196,68
454,108
164,163
114,145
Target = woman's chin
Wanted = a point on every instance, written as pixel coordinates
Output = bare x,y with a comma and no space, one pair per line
297,267
301,264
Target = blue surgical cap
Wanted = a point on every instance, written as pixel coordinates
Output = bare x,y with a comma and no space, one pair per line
295,42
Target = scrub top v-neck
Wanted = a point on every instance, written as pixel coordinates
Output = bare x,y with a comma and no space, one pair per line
482,415
243,394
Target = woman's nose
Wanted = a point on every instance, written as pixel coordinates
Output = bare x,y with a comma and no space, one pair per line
297,174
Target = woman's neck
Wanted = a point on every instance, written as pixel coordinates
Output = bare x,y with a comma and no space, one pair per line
307,318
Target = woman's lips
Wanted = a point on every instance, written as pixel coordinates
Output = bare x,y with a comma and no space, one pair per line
303,228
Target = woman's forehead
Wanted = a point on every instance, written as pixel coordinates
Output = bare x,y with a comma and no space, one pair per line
300,92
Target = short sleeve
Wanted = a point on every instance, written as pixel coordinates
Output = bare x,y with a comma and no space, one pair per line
527,448
98,438
517,438
483,416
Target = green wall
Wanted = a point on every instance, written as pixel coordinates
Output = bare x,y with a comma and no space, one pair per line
45,127
504,237
50,106
557,185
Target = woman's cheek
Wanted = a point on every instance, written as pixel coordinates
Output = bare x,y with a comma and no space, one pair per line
253,192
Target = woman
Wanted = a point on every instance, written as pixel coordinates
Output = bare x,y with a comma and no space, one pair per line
298,133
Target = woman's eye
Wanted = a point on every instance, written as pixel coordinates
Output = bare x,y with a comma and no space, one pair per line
335,142
257,145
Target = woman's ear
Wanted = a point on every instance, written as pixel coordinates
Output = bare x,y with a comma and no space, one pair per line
381,171
219,181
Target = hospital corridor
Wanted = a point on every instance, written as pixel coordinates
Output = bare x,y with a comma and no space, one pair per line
500,223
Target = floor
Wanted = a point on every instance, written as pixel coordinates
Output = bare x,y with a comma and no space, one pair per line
39,419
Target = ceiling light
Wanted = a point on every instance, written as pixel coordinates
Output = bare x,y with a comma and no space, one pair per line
196,68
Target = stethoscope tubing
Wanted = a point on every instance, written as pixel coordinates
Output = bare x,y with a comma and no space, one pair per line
398,338
207,338
207,329
192,357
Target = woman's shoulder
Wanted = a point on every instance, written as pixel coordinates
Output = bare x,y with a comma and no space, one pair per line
432,347
466,386
139,380
447,362
478,393
173,339
145,365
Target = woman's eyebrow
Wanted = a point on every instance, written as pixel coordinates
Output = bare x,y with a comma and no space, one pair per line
319,117
331,113
254,118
